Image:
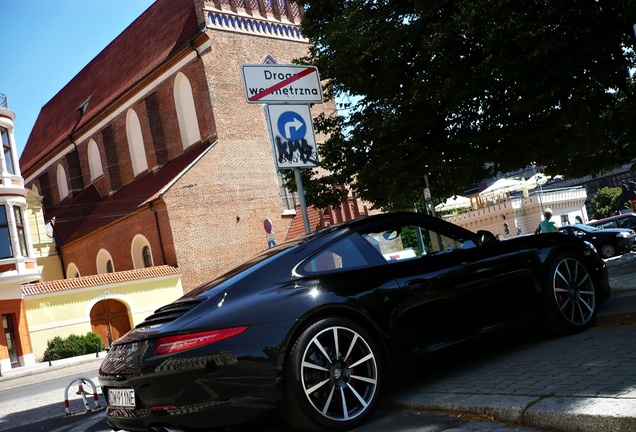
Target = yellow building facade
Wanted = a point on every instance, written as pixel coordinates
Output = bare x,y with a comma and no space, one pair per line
109,304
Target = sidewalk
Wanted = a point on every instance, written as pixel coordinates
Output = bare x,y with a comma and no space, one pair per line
580,383
57,369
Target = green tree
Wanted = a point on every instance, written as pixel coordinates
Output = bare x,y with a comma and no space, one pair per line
607,201
461,90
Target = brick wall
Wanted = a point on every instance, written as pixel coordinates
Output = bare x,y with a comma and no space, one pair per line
212,218
117,240
238,176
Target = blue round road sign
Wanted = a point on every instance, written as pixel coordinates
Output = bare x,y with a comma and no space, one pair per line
291,126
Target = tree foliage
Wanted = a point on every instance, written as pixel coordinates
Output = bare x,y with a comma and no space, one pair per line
607,201
460,90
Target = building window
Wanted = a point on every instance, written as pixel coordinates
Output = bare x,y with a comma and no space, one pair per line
6,146
19,222
289,198
6,251
62,185
94,161
104,262
72,271
135,143
186,111
145,253
141,252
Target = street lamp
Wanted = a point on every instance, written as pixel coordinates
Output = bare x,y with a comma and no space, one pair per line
534,169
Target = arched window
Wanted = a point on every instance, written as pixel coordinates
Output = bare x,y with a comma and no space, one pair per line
147,256
135,143
186,111
72,271
104,262
94,161
62,182
141,252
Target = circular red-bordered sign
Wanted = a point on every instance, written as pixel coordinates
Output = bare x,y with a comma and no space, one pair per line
267,224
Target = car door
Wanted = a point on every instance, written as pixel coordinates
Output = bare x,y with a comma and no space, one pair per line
455,287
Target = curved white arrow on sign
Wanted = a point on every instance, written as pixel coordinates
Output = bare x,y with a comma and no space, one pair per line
296,124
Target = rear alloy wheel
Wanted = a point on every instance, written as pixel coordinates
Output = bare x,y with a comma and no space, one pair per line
608,251
571,296
333,376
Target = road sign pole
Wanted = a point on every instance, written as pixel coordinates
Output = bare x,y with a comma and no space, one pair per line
301,198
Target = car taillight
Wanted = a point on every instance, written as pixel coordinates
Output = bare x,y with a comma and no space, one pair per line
173,344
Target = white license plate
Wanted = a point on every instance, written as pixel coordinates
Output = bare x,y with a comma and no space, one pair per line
121,398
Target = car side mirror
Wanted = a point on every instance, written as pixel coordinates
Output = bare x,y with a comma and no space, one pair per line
486,237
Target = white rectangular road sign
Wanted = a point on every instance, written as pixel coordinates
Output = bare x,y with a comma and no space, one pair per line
292,134
277,84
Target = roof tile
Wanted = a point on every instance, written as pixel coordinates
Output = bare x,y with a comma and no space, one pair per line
97,280
161,30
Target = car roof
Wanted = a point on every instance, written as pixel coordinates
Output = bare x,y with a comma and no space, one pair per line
609,218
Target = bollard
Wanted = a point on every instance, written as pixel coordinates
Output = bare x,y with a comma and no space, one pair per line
96,350
50,364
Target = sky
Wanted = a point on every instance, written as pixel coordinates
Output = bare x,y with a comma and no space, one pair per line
46,43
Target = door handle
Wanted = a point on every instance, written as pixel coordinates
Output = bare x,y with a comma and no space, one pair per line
418,284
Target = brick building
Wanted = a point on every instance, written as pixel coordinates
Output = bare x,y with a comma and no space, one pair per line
151,156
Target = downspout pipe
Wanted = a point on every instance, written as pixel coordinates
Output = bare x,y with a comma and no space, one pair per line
194,48
163,252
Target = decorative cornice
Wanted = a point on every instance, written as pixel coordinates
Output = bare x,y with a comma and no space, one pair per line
226,21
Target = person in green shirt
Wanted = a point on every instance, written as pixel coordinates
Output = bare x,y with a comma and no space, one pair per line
547,225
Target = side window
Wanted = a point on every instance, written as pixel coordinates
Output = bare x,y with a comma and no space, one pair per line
411,241
342,255
628,222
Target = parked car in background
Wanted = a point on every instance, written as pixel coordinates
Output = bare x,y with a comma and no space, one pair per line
608,242
317,327
625,220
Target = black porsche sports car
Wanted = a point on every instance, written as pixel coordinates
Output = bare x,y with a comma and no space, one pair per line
316,327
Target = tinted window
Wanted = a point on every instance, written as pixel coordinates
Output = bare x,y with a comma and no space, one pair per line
342,255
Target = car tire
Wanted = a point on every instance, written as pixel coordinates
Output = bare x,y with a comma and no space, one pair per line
607,251
333,376
569,295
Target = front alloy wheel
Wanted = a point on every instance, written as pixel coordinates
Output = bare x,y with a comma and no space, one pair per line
608,251
573,294
334,375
